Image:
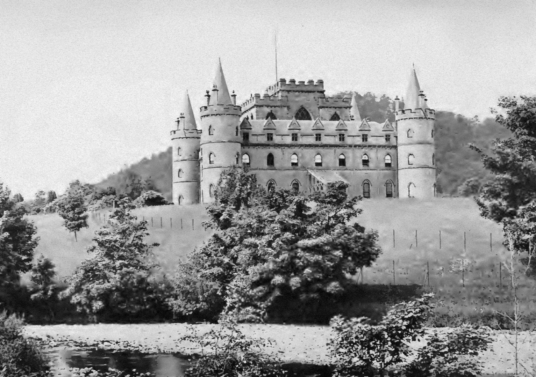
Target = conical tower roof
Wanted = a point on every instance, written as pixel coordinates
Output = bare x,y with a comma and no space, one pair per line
354,111
223,97
412,100
186,109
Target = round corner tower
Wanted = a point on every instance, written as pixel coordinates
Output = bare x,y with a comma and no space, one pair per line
416,151
221,142
185,156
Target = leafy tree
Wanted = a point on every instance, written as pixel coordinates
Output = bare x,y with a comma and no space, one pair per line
43,285
72,208
150,198
17,198
278,245
17,239
51,196
470,187
116,282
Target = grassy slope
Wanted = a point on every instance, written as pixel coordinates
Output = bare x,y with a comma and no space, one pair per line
452,216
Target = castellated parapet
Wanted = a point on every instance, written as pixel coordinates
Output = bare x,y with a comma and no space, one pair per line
295,137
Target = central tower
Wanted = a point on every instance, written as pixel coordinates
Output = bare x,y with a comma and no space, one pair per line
220,138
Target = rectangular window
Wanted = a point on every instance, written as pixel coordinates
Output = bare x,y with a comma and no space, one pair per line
364,138
294,137
318,137
270,137
341,137
246,136
387,138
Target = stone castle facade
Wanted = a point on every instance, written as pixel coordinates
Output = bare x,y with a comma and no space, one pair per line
295,137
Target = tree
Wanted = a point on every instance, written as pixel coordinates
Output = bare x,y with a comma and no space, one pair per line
273,246
17,239
509,197
51,196
72,208
116,281
43,285
150,198
17,198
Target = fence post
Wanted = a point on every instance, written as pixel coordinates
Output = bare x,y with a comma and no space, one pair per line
490,244
500,274
463,274
181,223
394,275
171,222
161,223
151,221
439,239
193,227
394,245
428,272
464,242
362,278
416,239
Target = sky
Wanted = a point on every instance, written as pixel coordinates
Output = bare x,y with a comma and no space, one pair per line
88,87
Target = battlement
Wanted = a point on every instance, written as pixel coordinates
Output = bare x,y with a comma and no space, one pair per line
265,100
220,110
415,113
292,86
184,133
344,102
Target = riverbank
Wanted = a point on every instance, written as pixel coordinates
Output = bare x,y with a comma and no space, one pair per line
303,344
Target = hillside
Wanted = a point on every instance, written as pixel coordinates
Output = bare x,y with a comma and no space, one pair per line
456,163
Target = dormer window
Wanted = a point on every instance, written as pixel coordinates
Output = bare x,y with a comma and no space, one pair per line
341,137
364,138
294,137
387,138
270,137
245,136
318,137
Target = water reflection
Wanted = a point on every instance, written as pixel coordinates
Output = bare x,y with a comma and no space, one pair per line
165,365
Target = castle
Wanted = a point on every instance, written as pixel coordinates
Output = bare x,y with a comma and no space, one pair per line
295,137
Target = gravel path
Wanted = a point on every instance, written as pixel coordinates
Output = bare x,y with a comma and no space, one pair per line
306,344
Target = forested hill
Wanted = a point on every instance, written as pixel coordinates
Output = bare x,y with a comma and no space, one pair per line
456,163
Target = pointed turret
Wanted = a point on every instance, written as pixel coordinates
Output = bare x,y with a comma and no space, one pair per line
187,114
354,111
412,100
221,95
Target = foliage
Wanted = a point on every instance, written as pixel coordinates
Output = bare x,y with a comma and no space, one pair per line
117,281
43,285
470,187
227,352
280,244
90,372
17,239
150,198
19,357
72,208
17,198
358,348
51,196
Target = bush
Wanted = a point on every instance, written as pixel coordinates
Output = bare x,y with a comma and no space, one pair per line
19,357
361,349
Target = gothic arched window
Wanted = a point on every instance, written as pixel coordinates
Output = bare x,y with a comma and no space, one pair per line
335,116
180,200
294,160
295,185
365,161
236,131
178,151
389,189
342,160
388,161
366,189
410,133
211,158
433,159
211,191
411,190
318,160
302,114
271,115
210,130
271,185
411,158
237,158
180,173
270,159
245,159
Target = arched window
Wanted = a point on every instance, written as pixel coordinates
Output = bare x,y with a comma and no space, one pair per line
211,191
211,158
389,189
318,160
388,161
180,200
295,185
342,160
271,115
270,159
432,133
294,160
210,130
335,116
237,158
433,159
245,159
271,185
178,151
411,158
411,190
236,131
410,133
180,173
435,190
365,161
302,114
366,189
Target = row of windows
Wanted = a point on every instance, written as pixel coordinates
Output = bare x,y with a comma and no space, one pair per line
410,133
365,160
318,137
301,114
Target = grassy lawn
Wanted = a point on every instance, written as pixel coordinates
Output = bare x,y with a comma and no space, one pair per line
306,344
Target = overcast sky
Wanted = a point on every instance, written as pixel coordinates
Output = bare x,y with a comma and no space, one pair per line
89,86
